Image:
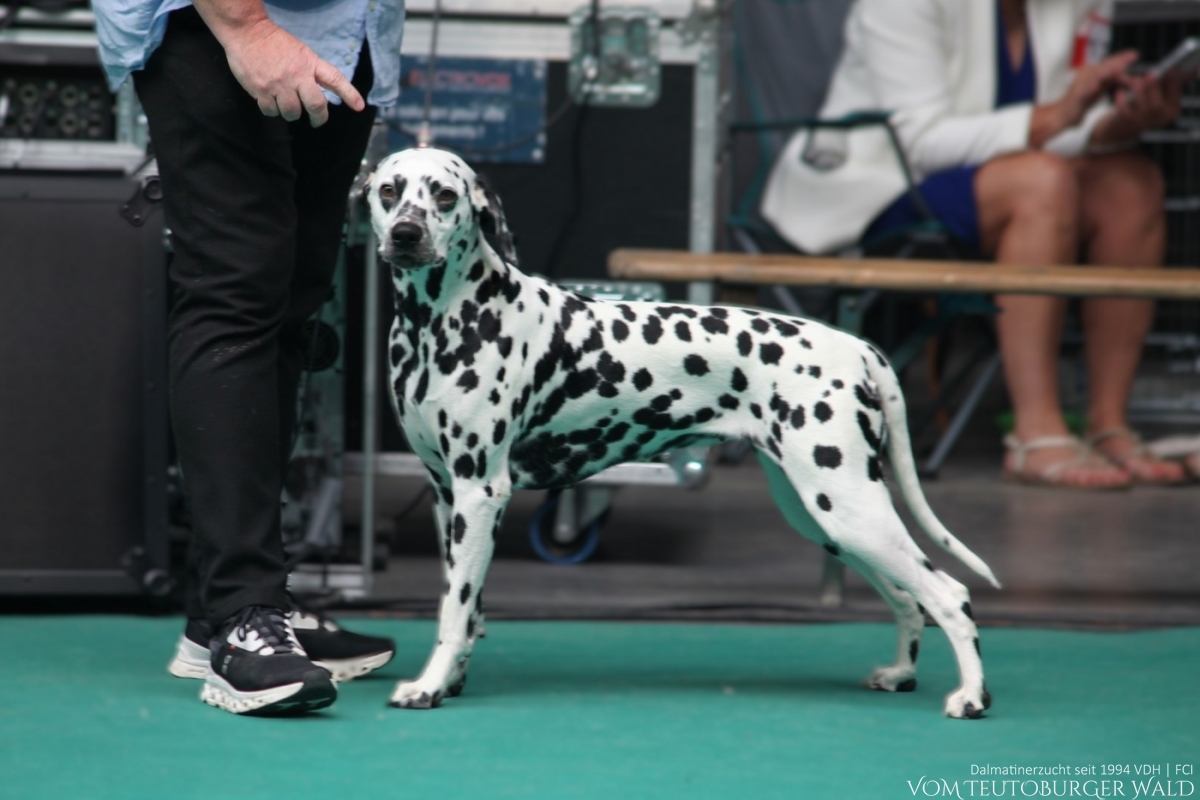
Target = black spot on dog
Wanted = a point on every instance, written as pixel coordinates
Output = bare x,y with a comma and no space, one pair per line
593,342
705,414
667,311
476,271
874,468
827,456
494,397
978,652
798,417
867,396
770,352
456,431
465,594
442,418
459,528
776,432
642,379
728,401
825,505
468,380
760,325
914,648
489,326
864,425
433,283
472,440
774,448
739,382
714,324
464,466
682,331
620,330
756,410
745,343
695,365
580,383
468,313
814,371
823,412
719,313
661,403
627,312
445,444
652,331
927,564
837,384
966,609
498,431
786,329
611,370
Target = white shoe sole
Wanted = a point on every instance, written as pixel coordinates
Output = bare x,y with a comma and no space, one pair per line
192,661
217,692
347,669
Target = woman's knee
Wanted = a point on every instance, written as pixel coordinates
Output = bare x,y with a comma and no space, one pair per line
1124,185
1032,184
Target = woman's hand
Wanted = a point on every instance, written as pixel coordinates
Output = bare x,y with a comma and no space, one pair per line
1148,104
1092,82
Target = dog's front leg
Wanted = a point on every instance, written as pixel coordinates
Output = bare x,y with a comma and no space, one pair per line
473,519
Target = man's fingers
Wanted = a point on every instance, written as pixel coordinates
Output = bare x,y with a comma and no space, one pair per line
268,106
314,103
290,107
328,76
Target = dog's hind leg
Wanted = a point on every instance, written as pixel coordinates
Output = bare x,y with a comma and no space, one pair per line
900,676
910,620
471,524
855,516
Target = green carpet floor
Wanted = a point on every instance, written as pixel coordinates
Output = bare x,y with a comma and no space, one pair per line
592,710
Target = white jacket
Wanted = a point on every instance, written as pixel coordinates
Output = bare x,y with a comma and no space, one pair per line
932,63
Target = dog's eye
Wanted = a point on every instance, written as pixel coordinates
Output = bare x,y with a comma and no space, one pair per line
387,191
446,199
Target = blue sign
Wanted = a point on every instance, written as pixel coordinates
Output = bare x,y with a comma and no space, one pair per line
483,108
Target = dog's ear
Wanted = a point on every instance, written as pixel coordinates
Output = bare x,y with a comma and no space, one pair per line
364,186
492,223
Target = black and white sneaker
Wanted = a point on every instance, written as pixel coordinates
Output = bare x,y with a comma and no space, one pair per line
259,667
347,655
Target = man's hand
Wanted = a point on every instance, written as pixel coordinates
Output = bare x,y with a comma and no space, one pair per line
279,71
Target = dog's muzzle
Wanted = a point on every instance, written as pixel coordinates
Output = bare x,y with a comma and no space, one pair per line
407,245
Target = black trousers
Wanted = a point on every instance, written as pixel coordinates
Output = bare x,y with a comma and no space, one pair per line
256,207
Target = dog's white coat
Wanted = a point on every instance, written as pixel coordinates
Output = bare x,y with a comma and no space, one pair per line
502,381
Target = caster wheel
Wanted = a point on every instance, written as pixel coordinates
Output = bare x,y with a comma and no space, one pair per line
549,549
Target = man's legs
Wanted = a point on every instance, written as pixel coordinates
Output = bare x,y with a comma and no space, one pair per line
228,184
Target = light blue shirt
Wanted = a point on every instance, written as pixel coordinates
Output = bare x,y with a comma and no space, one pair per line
130,30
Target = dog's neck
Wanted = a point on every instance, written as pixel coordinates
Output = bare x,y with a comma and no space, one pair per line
427,293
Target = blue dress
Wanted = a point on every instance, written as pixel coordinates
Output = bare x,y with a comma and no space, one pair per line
950,194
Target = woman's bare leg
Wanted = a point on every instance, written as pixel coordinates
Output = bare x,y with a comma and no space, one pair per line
1029,214
1123,225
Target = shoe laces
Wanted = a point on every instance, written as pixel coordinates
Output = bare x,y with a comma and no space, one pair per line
270,626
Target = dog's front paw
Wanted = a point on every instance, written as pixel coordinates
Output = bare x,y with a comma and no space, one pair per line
412,694
961,704
892,679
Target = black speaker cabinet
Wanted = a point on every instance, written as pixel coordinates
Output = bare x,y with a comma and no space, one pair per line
83,425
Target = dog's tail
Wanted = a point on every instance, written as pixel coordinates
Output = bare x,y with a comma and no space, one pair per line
899,447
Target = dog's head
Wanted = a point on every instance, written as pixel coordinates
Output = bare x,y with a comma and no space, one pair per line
428,206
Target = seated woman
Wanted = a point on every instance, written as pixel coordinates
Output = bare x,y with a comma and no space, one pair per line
1003,108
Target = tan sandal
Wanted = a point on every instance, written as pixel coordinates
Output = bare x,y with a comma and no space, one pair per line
1051,476
1139,451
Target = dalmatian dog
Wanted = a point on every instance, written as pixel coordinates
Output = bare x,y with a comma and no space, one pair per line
503,381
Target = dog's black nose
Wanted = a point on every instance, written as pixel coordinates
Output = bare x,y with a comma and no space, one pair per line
406,234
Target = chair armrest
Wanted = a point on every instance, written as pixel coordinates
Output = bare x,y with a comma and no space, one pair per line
857,119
